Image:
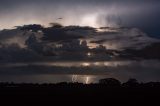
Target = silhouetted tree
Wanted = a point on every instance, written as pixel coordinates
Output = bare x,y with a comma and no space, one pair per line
131,83
110,82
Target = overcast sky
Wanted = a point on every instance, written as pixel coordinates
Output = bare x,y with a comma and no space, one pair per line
143,14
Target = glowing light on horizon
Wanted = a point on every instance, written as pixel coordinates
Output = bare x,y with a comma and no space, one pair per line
74,64
74,78
86,64
81,78
97,64
87,80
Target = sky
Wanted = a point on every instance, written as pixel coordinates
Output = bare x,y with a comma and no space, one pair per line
143,14
88,40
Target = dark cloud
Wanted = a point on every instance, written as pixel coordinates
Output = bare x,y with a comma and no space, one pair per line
126,37
68,42
149,52
17,36
58,34
9,36
14,53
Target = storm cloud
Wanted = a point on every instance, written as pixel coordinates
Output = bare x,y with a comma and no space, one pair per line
72,54
59,42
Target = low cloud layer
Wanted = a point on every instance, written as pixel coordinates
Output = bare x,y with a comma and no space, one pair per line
147,70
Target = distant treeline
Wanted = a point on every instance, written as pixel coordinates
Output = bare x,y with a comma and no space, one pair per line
107,82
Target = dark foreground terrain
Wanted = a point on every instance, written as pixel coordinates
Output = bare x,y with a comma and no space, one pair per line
106,92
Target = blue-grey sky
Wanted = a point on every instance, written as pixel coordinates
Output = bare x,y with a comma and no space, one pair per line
143,14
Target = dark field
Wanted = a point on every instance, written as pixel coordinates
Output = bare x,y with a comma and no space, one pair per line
104,93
